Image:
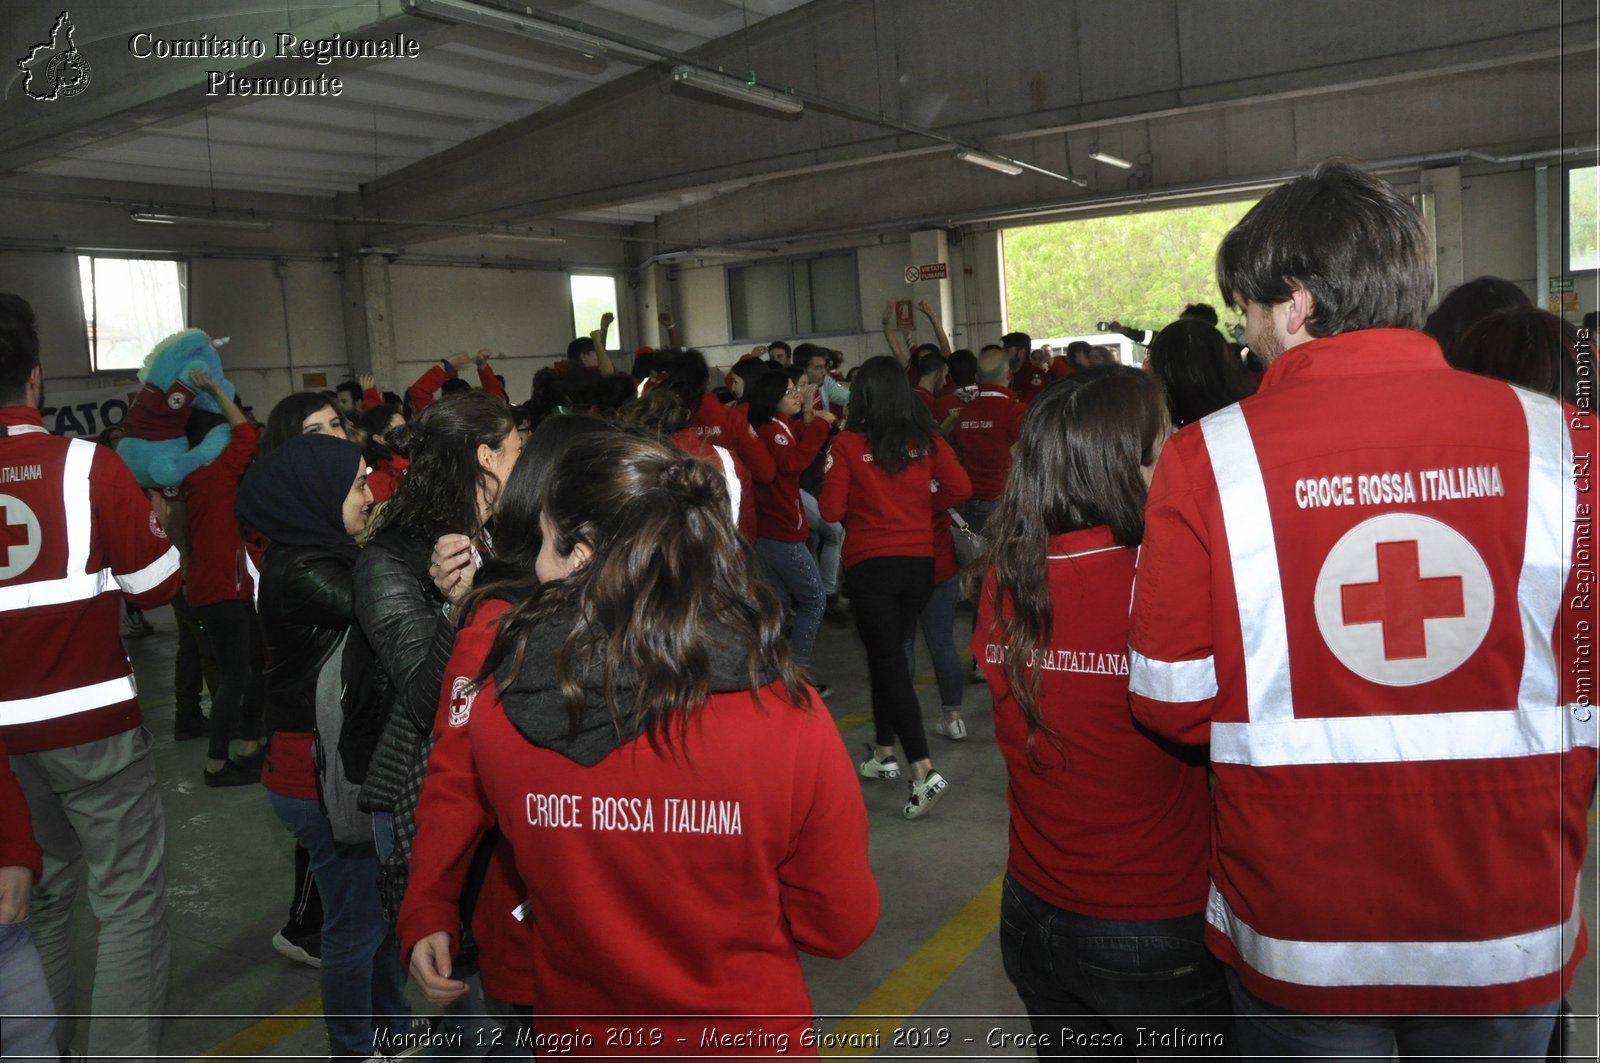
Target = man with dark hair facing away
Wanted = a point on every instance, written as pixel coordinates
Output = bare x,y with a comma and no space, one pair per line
985,431
76,536
1361,586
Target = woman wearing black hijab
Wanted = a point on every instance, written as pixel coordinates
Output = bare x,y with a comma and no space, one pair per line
309,497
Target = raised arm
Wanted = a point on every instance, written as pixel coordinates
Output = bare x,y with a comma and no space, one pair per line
486,378
896,341
938,328
602,360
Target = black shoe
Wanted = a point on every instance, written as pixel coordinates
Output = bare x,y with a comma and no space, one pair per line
185,728
253,762
232,773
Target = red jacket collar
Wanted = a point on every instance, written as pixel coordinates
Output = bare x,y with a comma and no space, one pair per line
1084,541
1362,353
10,415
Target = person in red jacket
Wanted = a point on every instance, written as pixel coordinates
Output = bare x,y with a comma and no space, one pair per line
1367,587
387,465
1105,889
77,535
984,432
30,1024
662,412
220,590
726,426
426,389
794,431
464,898
886,476
669,873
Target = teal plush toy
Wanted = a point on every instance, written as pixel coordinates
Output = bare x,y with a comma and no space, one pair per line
155,444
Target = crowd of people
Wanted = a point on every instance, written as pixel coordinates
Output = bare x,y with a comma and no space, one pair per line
535,689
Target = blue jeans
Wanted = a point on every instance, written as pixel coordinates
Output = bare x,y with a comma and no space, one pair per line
1268,1030
792,571
27,1016
1115,984
977,512
939,633
363,983
829,537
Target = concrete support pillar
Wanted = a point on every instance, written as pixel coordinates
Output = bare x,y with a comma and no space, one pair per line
1443,183
653,294
930,246
369,320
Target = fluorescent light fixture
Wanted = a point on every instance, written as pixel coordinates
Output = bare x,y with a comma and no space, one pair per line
690,254
527,25
990,162
1111,160
734,89
523,237
209,221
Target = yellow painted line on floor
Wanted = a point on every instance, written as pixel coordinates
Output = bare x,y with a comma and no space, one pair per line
902,993
255,1039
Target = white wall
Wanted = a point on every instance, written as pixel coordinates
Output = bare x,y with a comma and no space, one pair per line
525,315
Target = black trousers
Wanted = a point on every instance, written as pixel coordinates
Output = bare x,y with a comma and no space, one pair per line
192,665
231,630
887,595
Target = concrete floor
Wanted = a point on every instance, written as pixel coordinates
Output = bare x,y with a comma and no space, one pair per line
934,958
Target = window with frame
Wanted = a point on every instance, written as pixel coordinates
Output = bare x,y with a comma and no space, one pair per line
593,296
792,297
130,305
1583,218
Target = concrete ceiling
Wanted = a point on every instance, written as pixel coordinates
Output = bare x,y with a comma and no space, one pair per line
466,82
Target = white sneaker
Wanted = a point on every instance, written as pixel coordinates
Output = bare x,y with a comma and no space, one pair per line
953,728
873,768
924,792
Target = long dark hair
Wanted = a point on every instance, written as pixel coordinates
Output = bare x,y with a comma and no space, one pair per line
439,492
897,425
1467,304
667,579
1076,465
764,395
688,375
288,418
517,535
1529,346
1200,371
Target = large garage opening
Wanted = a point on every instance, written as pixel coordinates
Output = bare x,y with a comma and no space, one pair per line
1065,278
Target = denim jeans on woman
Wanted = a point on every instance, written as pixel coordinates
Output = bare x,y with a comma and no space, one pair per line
792,571
1118,984
363,983
827,538
939,634
27,1014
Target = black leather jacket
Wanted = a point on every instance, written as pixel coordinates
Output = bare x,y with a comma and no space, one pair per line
305,608
402,617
